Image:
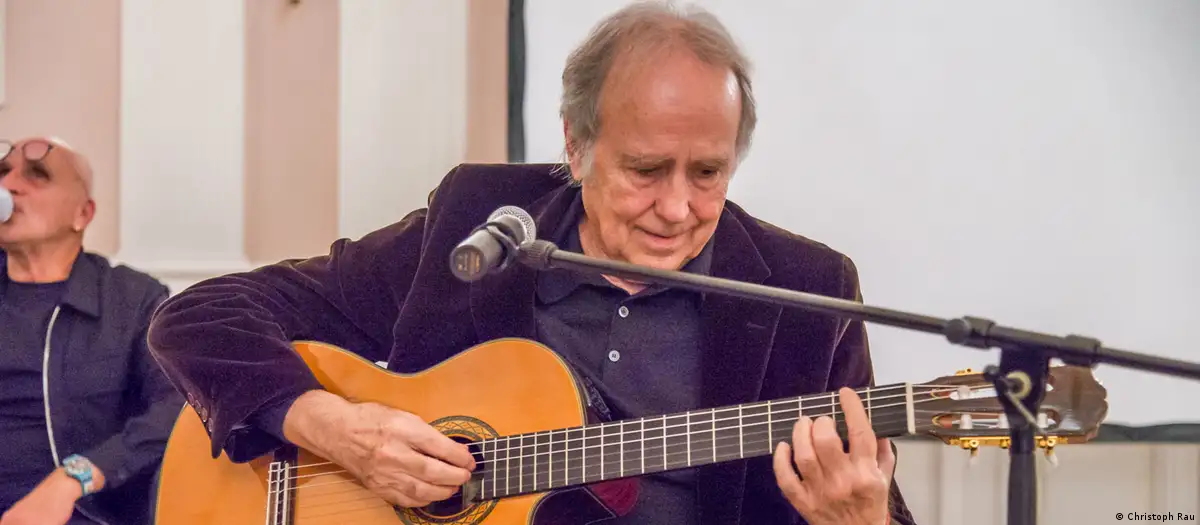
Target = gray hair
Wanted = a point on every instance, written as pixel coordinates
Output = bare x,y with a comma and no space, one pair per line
647,24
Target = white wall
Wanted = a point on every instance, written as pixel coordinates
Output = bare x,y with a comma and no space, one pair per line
182,157
1091,484
403,106
1031,162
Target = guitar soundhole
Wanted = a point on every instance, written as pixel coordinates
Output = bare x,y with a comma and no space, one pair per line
464,507
457,503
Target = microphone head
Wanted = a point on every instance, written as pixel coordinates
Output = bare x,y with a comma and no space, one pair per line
6,205
528,228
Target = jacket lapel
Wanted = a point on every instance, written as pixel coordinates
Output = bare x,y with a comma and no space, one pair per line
502,305
737,340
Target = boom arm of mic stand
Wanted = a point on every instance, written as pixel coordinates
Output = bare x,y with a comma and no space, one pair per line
968,331
1024,357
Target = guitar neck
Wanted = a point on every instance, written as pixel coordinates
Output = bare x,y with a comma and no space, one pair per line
554,459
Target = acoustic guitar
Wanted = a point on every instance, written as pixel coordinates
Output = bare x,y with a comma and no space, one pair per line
524,414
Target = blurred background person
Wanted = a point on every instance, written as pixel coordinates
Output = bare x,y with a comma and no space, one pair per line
84,410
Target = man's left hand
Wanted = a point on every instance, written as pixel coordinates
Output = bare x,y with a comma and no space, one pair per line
50,503
838,488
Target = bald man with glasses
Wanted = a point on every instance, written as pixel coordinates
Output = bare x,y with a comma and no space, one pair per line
85,412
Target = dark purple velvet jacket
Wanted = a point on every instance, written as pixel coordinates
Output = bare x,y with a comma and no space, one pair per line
390,296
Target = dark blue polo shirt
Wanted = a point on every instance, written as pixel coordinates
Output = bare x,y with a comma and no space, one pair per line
641,352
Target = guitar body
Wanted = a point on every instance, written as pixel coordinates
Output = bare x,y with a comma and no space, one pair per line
499,388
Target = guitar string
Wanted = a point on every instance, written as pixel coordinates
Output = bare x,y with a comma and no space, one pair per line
508,472
309,504
535,487
780,407
520,437
725,451
750,439
753,443
604,458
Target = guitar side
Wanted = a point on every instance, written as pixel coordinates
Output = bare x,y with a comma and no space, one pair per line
498,388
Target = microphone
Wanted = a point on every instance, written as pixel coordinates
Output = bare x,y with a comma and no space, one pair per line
6,205
493,245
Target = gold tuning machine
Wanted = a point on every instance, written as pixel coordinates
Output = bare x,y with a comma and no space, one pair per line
972,444
1048,443
965,371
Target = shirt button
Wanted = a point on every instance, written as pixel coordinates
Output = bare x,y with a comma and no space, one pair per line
623,311
614,356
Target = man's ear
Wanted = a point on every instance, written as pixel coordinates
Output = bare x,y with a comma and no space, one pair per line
572,151
569,142
86,213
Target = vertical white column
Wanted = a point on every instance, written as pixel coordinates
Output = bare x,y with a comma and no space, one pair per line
182,138
403,104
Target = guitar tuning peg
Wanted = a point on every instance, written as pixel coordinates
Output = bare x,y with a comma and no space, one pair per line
972,446
1051,457
1048,444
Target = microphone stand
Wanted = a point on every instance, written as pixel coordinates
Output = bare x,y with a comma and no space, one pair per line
1020,378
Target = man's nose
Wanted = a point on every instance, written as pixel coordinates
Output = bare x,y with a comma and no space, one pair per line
674,198
13,181
9,181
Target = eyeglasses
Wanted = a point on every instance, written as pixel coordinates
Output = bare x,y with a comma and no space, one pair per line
33,150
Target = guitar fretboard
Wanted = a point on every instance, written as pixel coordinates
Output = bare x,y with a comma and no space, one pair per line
536,462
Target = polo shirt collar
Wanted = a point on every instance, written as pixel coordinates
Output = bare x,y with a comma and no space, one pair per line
556,284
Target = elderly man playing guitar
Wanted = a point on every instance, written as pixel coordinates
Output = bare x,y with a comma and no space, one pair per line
658,111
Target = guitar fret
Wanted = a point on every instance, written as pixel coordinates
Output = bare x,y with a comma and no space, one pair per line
726,429
602,433
754,420
770,431
595,454
538,454
654,434
663,420
687,434
575,455
621,451
486,468
642,442
833,413
741,435
870,417
675,431
608,454
700,434
908,406
799,410
631,450
550,464
714,435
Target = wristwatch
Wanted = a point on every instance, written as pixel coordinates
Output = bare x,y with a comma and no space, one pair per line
80,468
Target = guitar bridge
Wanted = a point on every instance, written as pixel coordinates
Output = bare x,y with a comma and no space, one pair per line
281,488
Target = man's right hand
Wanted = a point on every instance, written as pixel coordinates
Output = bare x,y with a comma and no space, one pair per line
395,454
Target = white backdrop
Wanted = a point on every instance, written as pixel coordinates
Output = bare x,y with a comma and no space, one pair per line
1035,163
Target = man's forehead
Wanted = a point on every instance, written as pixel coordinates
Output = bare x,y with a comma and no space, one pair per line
78,163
